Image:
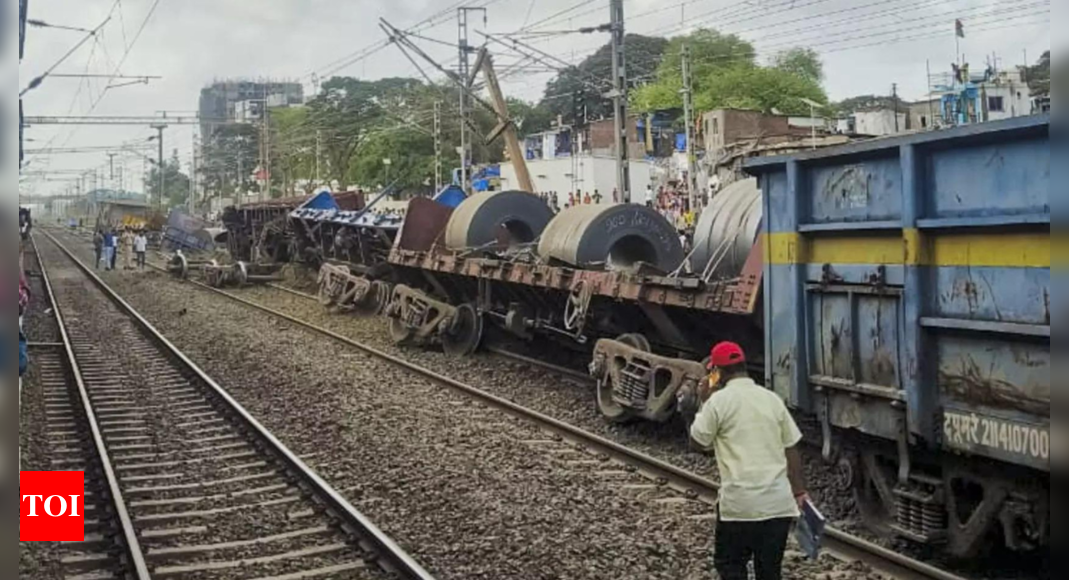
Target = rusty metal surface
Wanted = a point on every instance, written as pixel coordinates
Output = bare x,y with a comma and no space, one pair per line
733,297
424,224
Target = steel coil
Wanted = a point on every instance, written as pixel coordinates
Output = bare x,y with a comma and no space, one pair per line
727,231
497,219
612,236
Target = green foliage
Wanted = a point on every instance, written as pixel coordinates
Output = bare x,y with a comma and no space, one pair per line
230,155
176,183
1038,76
725,73
584,85
864,102
530,118
802,62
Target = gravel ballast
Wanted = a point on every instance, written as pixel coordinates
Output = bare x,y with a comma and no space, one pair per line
469,491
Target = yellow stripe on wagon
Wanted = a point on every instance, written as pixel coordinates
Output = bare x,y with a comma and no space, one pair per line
912,248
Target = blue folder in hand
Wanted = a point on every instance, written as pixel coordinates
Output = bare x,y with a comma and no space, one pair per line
810,530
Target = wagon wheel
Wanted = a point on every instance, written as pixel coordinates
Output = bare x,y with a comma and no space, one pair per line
328,291
375,301
576,308
609,408
180,266
400,334
464,332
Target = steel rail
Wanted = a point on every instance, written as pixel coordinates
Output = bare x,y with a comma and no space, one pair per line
841,544
394,559
136,555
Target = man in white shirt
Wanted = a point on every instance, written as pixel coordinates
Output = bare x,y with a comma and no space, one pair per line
761,475
140,248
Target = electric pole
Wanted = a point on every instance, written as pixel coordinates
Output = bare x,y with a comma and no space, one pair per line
894,97
619,100
465,77
688,114
192,201
319,152
437,146
161,178
111,165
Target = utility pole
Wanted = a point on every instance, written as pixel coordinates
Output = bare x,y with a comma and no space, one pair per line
192,201
111,165
437,146
465,105
265,191
619,100
894,98
160,173
319,152
688,114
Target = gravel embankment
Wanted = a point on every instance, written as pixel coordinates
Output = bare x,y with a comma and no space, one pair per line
36,559
467,490
574,402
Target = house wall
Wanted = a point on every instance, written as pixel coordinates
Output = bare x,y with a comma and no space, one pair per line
880,123
594,173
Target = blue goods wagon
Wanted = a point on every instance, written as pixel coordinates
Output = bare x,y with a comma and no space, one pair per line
907,299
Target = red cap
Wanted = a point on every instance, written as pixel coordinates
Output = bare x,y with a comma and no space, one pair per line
726,354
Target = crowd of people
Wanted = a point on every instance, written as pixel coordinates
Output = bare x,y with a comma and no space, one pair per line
553,199
110,243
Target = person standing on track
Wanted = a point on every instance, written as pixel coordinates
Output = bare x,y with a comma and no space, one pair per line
98,246
127,249
109,250
762,479
141,248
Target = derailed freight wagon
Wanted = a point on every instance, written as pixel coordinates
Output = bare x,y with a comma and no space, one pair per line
907,306
589,274
898,293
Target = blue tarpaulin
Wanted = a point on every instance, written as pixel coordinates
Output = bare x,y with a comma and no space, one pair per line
452,196
323,200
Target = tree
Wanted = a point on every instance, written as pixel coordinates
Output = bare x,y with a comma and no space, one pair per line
803,62
1038,76
725,73
530,118
176,183
230,155
592,78
866,102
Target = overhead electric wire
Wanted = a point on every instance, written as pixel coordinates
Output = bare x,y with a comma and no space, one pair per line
36,82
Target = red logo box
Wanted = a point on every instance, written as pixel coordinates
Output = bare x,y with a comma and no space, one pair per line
51,506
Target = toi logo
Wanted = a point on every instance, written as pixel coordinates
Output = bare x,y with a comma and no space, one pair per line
52,506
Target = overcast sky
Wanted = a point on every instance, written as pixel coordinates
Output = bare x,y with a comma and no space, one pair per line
866,44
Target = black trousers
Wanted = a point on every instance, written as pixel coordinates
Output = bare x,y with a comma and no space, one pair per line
737,543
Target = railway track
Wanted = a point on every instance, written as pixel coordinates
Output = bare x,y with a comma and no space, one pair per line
191,485
840,544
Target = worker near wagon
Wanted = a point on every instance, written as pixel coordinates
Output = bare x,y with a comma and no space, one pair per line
140,248
98,246
762,481
127,249
109,249
115,244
